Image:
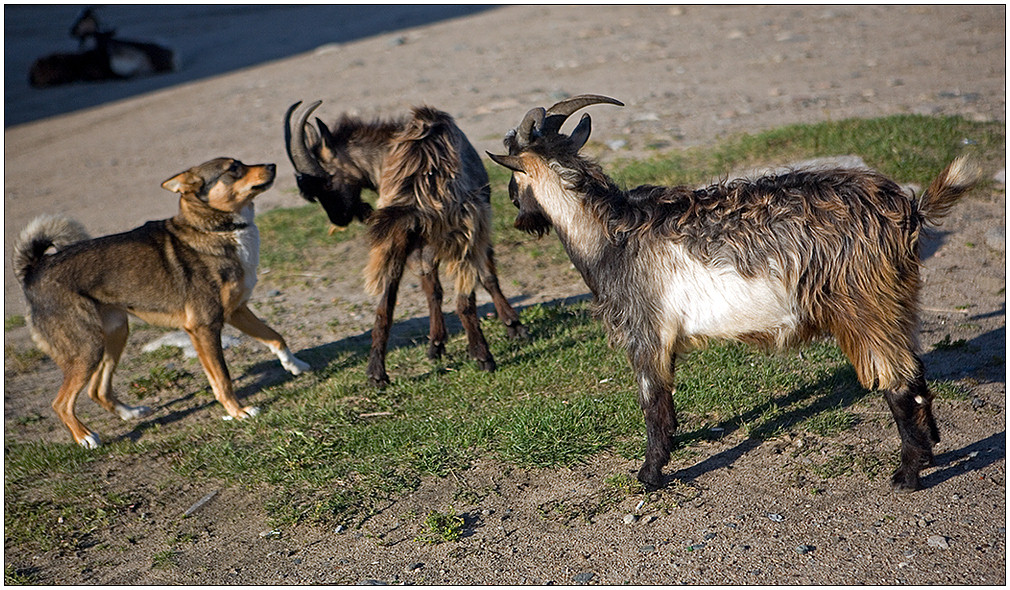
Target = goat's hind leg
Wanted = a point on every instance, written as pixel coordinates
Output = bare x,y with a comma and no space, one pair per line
466,307
912,407
489,279
433,293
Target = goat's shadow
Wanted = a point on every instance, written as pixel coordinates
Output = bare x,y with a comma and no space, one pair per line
838,390
843,390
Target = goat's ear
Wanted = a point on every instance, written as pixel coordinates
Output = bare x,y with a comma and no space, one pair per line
513,163
184,182
580,135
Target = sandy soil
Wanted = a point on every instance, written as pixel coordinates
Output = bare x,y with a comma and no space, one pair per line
688,77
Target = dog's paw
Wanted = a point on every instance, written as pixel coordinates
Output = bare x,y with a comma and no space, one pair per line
296,366
132,412
90,442
246,412
291,363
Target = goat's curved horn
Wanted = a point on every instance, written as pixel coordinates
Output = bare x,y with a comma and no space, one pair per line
300,156
559,113
534,119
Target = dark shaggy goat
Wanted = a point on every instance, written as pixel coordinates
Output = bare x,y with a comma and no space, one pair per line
433,207
773,261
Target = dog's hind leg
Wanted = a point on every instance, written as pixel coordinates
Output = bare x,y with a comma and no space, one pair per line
207,342
116,327
78,367
245,320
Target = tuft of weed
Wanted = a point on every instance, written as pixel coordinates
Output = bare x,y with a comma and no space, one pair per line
442,527
19,360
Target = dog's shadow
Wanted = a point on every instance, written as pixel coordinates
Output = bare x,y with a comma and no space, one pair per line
345,354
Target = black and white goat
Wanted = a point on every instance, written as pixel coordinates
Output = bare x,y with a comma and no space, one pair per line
773,261
433,207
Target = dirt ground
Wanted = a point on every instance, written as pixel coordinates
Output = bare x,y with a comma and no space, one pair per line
738,511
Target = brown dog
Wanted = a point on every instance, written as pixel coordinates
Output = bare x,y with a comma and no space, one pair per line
195,271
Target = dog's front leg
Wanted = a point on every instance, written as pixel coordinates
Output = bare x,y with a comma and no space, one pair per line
245,320
207,342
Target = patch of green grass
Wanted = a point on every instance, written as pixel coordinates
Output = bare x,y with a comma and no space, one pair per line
289,238
158,378
909,148
166,559
12,322
17,577
19,360
830,422
442,527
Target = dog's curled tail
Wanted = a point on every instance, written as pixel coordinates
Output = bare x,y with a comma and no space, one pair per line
41,234
959,177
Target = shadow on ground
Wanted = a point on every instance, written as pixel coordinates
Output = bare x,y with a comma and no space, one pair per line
258,34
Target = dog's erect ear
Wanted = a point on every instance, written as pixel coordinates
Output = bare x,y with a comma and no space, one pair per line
183,183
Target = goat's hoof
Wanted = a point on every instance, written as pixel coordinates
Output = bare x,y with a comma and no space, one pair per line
517,331
379,381
435,350
905,480
487,365
651,478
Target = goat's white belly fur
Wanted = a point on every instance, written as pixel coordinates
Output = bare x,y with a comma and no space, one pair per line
701,301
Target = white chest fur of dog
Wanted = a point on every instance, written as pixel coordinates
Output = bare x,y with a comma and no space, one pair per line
247,240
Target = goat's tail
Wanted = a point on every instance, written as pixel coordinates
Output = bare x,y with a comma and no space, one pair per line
959,177
41,234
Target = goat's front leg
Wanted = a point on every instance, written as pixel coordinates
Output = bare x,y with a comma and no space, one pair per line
466,307
656,399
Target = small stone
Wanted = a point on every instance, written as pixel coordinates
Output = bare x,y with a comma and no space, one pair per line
995,238
371,582
977,403
271,534
413,567
616,144
776,517
630,518
938,541
582,578
647,549
804,549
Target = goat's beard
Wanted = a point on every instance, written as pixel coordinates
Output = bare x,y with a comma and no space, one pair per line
533,222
